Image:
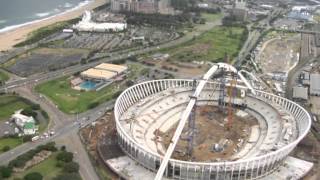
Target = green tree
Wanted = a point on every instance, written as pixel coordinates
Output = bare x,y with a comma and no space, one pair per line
33,176
65,156
5,171
6,148
71,167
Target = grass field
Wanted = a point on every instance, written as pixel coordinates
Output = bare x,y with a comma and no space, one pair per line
46,168
213,45
3,76
73,101
211,17
11,103
11,142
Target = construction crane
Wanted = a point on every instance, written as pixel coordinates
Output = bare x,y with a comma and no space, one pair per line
231,94
186,113
192,123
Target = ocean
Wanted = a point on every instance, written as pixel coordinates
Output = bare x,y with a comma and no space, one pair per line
16,13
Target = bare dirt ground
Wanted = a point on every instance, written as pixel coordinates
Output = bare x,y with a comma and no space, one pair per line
279,54
309,150
102,134
211,129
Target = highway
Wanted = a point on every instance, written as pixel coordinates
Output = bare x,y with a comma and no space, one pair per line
68,131
66,127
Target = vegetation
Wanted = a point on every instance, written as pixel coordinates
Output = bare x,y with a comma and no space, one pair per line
5,172
157,19
21,160
43,32
71,101
7,143
65,156
211,17
215,45
50,168
33,176
11,103
3,77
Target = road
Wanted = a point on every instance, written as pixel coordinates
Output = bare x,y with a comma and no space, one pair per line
66,127
73,69
68,132
294,73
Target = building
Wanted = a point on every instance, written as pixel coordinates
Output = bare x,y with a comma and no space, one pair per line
75,82
240,11
26,124
104,72
29,128
142,6
162,100
315,84
300,93
86,24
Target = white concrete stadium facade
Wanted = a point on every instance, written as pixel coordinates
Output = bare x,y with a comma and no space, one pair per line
250,168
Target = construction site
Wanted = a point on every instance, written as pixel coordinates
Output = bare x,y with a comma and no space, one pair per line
218,127
213,141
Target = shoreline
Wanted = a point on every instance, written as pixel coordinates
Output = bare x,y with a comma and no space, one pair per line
11,37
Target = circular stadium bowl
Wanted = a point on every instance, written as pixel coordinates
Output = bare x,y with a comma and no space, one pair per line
252,167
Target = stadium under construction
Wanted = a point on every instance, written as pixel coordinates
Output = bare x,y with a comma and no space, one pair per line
217,127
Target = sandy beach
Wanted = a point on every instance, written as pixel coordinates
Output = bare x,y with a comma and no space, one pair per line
12,37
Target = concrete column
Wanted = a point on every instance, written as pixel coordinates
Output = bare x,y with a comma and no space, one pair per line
246,170
239,173
252,168
142,91
148,89
232,170
126,102
217,172
131,97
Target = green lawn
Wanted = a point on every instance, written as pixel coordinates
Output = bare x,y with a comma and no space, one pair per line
11,142
211,17
11,103
46,168
213,45
73,101
3,76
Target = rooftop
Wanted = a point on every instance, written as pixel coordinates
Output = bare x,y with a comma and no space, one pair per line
300,92
111,67
315,84
98,74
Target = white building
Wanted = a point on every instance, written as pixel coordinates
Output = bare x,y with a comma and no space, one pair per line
86,24
25,123
315,84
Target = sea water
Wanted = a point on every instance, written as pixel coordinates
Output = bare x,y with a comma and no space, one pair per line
16,13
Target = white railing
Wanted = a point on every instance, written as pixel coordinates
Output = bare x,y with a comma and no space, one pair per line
250,168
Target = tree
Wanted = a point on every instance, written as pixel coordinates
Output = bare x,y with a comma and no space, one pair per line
65,156
29,112
71,167
35,107
6,148
33,176
5,171
27,138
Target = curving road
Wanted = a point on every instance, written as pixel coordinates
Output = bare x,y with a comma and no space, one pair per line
66,126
